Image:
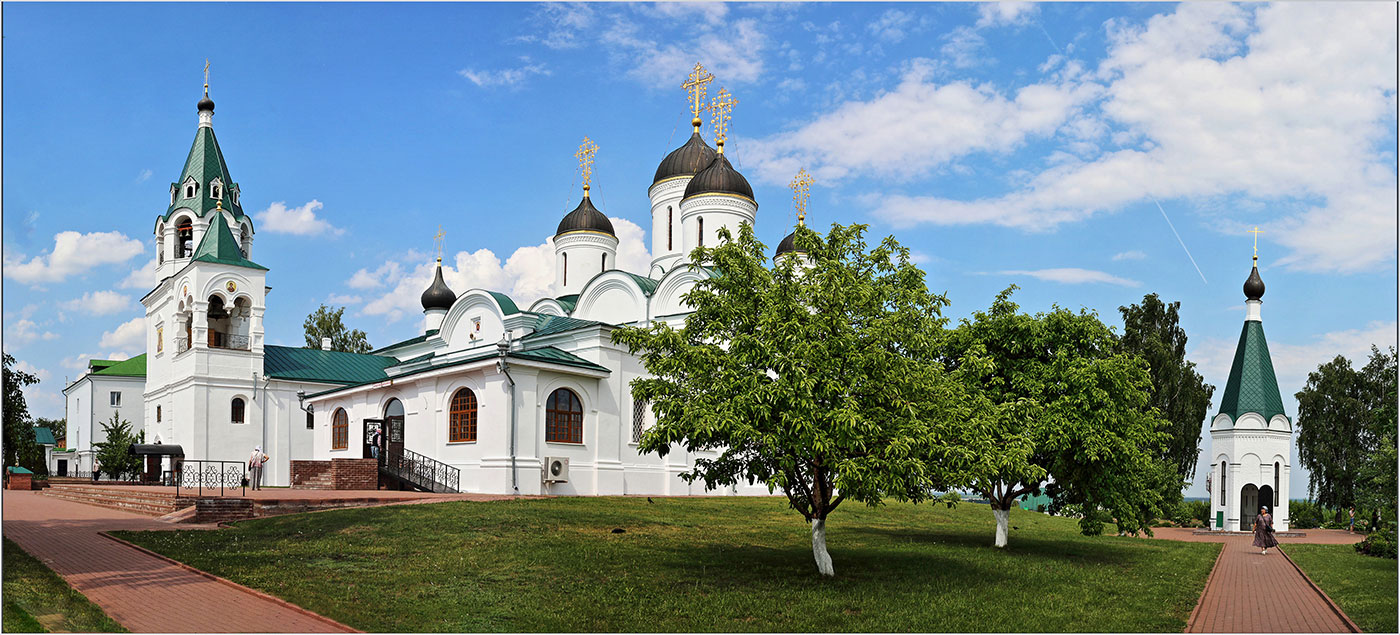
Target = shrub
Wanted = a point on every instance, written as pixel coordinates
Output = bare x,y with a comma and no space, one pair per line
1380,545
1304,514
1195,510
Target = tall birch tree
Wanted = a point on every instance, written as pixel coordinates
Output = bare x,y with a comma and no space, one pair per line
816,376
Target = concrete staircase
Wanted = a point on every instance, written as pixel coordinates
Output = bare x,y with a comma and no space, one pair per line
137,501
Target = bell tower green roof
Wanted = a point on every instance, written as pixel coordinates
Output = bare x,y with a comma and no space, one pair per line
219,246
205,166
1252,386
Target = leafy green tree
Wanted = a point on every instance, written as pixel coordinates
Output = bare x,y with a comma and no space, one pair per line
325,322
816,376
20,446
1344,419
114,454
1152,330
1072,416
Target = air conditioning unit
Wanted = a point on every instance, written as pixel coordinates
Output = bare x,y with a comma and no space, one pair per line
556,469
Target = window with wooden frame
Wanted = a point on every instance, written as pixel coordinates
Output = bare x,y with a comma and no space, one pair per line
563,417
237,408
340,430
462,417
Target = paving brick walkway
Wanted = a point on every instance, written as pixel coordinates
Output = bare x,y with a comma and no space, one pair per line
1253,593
142,592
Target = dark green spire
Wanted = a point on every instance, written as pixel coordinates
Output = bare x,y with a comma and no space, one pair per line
1252,386
205,165
219,246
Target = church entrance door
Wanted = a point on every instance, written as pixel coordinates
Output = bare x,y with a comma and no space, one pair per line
371,426
1249,506
1266,499
393,427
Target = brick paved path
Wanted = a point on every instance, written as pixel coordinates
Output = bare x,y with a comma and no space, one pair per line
142,592
1253,593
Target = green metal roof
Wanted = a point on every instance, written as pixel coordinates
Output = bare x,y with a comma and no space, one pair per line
17,470
648,285
95,365
44,436
219,246
507,305
544,354
204,163
333,367
134,367
1252,386
568,302
551,324
411,340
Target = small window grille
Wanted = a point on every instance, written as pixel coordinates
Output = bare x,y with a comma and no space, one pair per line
639,415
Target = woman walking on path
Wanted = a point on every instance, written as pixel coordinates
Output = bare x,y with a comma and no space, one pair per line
1264,530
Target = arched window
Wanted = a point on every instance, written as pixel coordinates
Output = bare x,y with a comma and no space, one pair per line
1222,482
310,420
157,414
566,270
184,238
702,231
605,262
340,430
462,420
1276,471
670,216
563,417
237,408
189,190
214,191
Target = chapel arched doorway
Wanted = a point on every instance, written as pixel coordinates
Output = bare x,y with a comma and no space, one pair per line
393,427
1266,499
1249,506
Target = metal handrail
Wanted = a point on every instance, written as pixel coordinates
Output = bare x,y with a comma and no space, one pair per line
421,471
202,473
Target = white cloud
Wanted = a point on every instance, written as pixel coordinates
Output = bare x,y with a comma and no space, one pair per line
21,332
76,362
1129,255
732,52
298,221
1072,275
509,77
1004,13
41,374
1292,362
366,279
130,337
143,277
891,26
144,176
526,276
336,298
712,13
564,23
99,303
961,47
73,254
918,126
1279,103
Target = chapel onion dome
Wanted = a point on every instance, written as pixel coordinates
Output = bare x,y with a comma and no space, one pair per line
686,160
438,296
206,104
1254,286
789,245
719,178
585,218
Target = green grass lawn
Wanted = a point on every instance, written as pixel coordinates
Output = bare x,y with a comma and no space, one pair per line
1365,587
713,564
37,600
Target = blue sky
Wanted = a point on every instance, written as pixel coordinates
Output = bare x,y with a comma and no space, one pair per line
1003,143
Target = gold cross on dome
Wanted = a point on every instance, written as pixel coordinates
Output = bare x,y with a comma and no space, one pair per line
695,85
1256,233
437,242
206,77
719,114
800,193
585,161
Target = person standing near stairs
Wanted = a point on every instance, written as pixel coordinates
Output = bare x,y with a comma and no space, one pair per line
255,467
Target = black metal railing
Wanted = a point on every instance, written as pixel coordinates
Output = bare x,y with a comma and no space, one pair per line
420,471
102,477
201,475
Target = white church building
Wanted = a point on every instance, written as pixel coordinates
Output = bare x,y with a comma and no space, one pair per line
1249,438
491,397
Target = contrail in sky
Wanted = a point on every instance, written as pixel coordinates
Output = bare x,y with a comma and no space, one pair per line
1179,240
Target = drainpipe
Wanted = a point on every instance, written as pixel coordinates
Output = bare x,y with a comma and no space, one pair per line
502,348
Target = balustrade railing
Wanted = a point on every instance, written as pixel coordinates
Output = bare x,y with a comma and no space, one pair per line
228,342
426,473
201,474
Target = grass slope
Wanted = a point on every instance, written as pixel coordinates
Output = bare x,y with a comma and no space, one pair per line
38,601
710,564
1364,587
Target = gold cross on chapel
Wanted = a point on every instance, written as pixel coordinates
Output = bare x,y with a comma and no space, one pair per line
695,85
801,193
719,114
437,242
585,161
206,77
1256,233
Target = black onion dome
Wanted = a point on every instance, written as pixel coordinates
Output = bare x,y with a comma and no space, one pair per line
206,104
438,296
719,178
788,245
585,217
1254,286
686,160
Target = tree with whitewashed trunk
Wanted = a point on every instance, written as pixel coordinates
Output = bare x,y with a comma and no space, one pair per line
1068,414
816,376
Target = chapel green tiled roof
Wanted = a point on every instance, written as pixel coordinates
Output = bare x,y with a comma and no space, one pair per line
95,365
219,246
648,285
507,305
568,302
412,340
44,436
134,367
544,354
1252,386
204,164
332,367
552,324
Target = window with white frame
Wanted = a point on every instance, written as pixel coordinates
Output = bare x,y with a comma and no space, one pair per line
639,417
116,399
